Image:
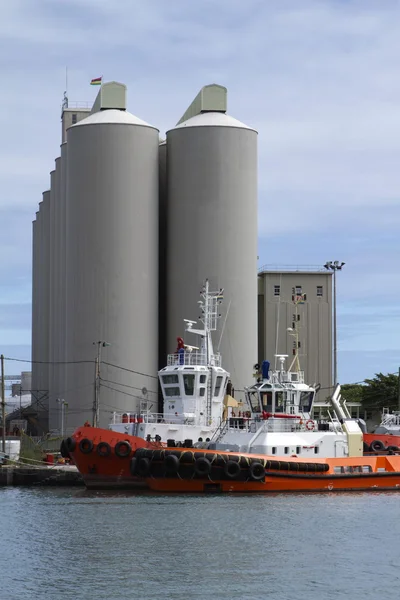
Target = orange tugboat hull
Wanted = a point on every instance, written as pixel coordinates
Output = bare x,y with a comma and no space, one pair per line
103,457
273,476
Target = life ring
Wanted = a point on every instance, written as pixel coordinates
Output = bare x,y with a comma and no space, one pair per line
257,471
123,449
232,469
86,446
310,425
103,449
70,444
171,464
377,446
202,467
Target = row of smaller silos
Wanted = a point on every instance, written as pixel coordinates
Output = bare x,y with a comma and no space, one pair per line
133,229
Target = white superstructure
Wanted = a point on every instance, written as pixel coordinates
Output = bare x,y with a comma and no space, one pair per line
280,424
193,385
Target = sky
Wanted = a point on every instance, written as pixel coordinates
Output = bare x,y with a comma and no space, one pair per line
318,79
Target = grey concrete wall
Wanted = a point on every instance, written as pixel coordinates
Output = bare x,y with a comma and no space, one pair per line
315,326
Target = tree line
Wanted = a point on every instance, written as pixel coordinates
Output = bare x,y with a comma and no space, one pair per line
374,394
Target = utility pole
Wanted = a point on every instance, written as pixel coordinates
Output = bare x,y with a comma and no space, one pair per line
96,403
334,266
63,404
3,405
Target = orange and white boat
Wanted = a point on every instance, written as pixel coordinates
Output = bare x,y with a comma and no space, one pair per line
386,437
187,471
194,388
204,440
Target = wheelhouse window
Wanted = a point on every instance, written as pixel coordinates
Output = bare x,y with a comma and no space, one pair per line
170,379
188,382
320,291
74,118
202,392
172,391
277,290
218,384
306,400
298,290
203,378
279,401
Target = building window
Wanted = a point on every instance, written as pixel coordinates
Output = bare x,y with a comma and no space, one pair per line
320,291
74,118
277,290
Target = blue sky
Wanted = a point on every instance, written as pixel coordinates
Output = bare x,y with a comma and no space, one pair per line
318,79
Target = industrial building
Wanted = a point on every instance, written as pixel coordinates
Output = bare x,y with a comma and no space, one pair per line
295,315
123,241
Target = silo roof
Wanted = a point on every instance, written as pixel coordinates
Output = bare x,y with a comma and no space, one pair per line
113,116
213,119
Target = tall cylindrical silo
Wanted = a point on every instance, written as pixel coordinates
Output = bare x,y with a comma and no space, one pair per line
43,320
35,306
52,292
162,258
62,271
212,232
112,264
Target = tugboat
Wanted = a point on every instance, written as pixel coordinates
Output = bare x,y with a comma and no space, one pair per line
386,437
194,388
273,452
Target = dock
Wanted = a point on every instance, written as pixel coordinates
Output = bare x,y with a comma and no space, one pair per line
46,476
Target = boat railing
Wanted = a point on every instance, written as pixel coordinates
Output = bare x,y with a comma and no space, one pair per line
391,419
193,359
182,418
273,425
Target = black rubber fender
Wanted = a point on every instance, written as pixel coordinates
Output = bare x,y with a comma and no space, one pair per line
232,469
64,450
119,449
202,466
392,448
70,443
85,446
171,464
257,471
143,466
365,447
133,465
103,449
377,446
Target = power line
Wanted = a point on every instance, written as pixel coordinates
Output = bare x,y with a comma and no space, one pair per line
46,362
133,387
130,370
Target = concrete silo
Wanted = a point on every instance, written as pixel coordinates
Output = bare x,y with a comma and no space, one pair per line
53,287
43,313
35,298
162,254
212,231
111,263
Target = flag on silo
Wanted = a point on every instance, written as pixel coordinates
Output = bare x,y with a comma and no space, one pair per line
96,81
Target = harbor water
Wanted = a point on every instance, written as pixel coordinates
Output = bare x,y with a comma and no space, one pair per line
69,543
